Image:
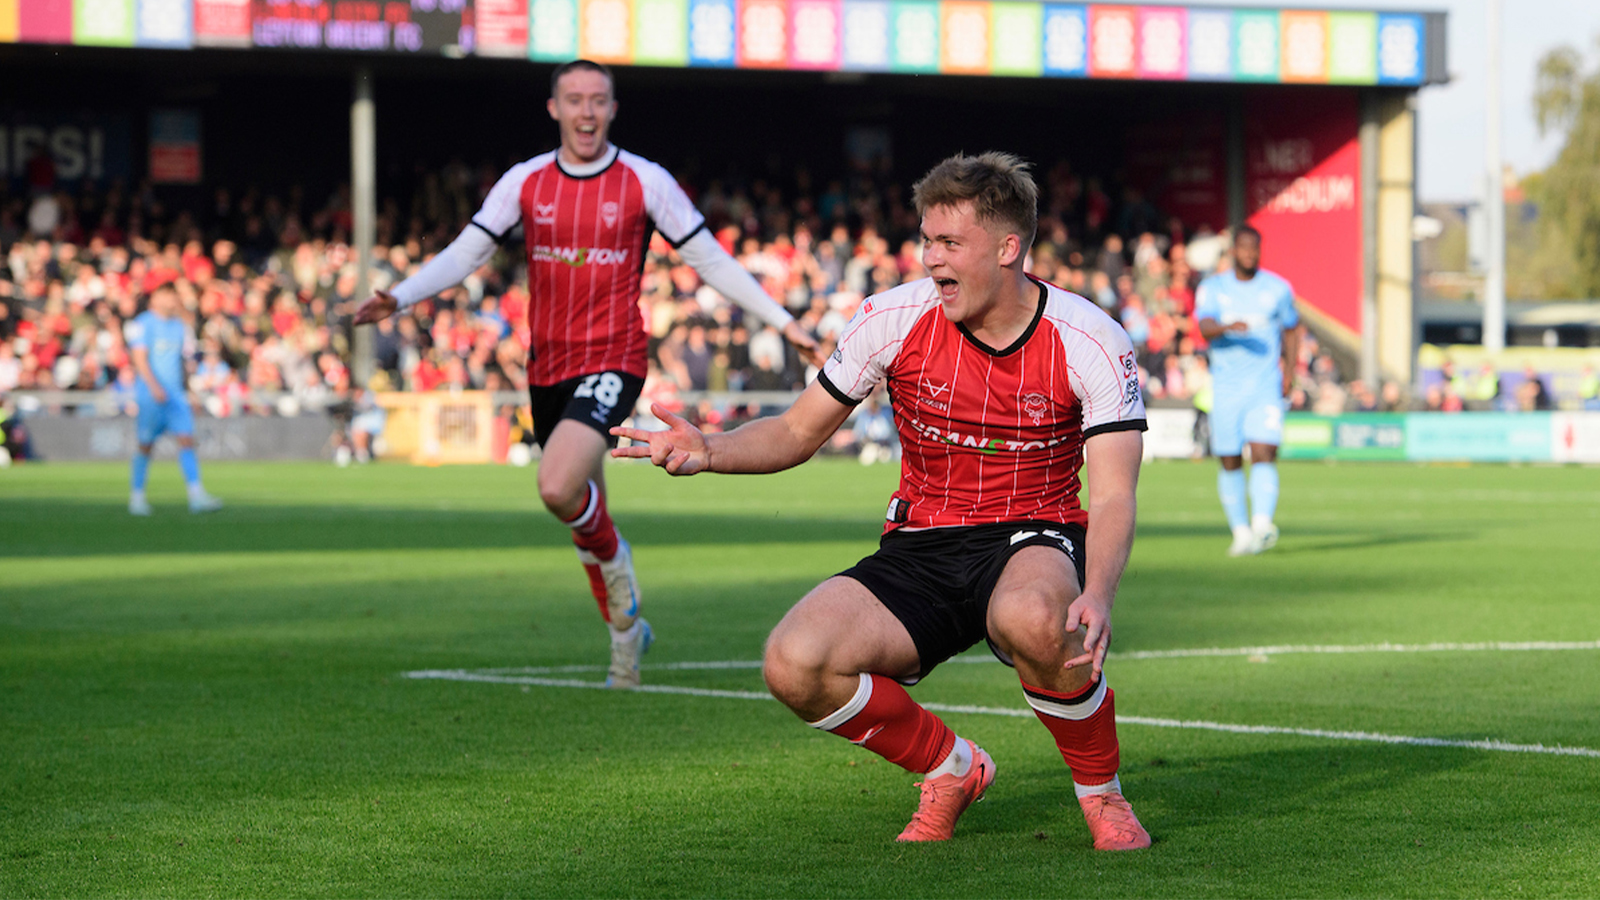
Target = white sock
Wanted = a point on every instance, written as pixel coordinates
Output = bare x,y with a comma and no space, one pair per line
196,491
1114,786
1243,533
957,763
626,634
136,495
1259,524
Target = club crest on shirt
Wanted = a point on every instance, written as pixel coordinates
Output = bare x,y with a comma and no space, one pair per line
544,213
608,212
933,391
1036,405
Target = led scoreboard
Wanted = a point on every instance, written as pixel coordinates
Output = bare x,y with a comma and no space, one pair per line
398,26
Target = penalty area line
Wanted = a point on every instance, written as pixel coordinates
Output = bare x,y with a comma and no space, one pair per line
501,677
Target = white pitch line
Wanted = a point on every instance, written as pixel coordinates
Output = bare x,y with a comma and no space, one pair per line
496,677
1181,653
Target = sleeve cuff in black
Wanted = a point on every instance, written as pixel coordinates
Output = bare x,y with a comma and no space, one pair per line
830,387
1124,425
685,239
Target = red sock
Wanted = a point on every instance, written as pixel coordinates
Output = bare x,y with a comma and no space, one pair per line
592,529
883,718
1084,725
597,587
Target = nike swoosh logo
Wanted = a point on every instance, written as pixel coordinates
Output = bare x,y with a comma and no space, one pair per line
871,733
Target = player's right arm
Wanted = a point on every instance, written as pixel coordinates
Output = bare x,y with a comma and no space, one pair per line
771,444
501,211
141,365
1206,310
139,354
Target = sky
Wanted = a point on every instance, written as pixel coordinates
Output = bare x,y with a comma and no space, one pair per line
1451,126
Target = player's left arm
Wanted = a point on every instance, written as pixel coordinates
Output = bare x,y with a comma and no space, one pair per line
683,226
1111,462
1291,338
730,279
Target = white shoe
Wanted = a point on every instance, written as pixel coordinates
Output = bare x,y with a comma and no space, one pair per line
626,649
138,506
1244,543
622,588
204,503
1265,535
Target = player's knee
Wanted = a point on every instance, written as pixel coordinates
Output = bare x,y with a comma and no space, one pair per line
561,496
1031,625
794,667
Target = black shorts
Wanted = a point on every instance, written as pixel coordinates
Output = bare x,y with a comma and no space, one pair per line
937,582
601,401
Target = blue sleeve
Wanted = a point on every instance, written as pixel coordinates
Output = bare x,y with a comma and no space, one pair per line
1286,309
137,333
1205,305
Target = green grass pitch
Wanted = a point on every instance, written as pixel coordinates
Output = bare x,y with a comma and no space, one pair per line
217,706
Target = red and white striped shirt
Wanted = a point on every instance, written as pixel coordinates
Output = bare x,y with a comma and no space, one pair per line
989,435
586,232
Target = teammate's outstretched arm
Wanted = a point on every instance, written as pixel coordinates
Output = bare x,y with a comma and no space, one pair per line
1111,462
764,445
702,252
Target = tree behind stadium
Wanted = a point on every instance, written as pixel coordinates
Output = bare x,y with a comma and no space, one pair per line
1567,99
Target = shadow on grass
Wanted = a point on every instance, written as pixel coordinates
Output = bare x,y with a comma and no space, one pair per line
1250,791
47,528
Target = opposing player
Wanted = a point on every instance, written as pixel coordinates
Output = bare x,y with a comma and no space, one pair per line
587,211
1248,315
1001,387
160,345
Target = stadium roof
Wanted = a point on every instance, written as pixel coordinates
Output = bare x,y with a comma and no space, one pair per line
1019,38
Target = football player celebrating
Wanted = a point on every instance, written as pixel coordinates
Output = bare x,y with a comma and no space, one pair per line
1002,387
587,211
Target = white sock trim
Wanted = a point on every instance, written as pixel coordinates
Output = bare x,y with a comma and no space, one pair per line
626,634
957,763
848,711
1114,786
589,509
1077,712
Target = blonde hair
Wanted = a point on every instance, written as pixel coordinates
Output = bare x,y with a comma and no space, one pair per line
996,184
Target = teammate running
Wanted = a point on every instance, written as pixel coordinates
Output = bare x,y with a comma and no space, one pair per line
1001,387
587,211
1248,315
160,343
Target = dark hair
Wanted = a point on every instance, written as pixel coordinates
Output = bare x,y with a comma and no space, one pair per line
1243,230
578,65
997,184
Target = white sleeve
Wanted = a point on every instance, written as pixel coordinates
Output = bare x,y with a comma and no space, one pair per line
1104,373
502,208
867,347
664,200
471,249
724,273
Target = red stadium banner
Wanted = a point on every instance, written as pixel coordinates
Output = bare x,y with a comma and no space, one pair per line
964,32
763,31
502,28
45,21
605,30
1113,41
222,23
1303,189
816,31
1181,166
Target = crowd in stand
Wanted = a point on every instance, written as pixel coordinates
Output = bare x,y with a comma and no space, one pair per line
269,284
